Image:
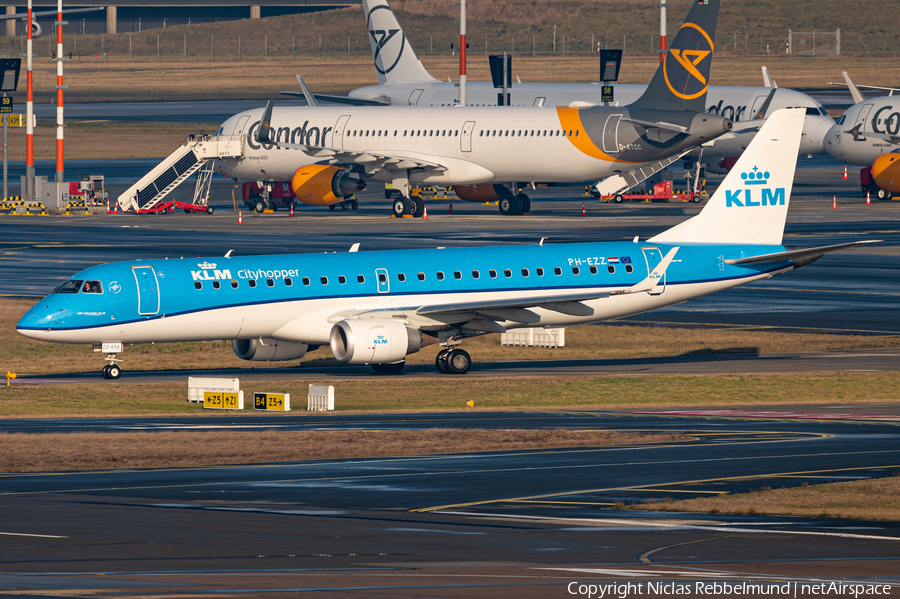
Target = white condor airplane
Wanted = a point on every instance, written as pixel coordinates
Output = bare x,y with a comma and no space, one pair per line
328,152
404,81
868,134
377,307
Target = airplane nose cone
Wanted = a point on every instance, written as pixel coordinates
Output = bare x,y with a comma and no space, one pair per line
815,129
832,142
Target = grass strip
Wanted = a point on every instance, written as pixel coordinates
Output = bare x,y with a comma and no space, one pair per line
102,451
529,393
868,499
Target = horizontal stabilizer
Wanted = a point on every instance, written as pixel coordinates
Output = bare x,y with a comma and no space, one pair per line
798,254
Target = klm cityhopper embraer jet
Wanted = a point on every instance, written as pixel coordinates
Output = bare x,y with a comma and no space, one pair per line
376,307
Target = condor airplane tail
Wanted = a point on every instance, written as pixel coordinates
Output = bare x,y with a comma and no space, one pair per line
395,60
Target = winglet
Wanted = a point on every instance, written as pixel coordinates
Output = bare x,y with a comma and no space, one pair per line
310,98
767,79
653,278
854,91
264,132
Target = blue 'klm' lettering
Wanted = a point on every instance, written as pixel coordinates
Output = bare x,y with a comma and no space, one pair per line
770,197
732,199
773,200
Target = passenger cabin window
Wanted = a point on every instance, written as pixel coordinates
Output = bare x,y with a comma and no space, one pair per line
323,280
575,270
342,279
507,273
628,268
92,287
421,276
611,269
198,285
493,274
360,279
440,276
234,284
593,270
216,284
539,271
70,286
251,282
557,271
457,275
475,274
288,282
306,281
270,282
382,277
401,277
524,272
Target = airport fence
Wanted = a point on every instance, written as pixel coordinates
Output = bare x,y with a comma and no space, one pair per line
187,43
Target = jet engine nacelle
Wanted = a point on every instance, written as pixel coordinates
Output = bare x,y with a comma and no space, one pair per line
886,172
36,29
486,192
375,341
268,350
323,185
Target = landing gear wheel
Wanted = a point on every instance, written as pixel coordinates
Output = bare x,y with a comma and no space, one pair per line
345,205
388,368
260,206
619,198
355,205
510,206
113,371
412,206
331,206
525,201
458,361
209,210
883,195
399,207
420,208
104,372
440,361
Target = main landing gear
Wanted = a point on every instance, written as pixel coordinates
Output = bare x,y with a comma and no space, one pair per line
405,206
515,205
453,361
112,370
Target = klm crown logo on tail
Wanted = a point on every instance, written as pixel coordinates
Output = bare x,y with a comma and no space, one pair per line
745,197
686,66
386,60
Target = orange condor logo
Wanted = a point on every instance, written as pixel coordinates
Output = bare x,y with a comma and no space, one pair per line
686,68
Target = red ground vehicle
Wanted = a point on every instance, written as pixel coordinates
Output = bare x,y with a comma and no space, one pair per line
661,192
281,196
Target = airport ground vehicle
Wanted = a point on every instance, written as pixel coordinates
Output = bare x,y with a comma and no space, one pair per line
661,192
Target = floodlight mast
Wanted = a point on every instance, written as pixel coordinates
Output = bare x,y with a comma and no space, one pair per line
662,29
29,116
462,52
60,170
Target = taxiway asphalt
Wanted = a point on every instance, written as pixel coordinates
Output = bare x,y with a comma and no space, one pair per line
499,524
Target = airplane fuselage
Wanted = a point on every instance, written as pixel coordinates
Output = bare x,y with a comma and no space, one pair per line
866,131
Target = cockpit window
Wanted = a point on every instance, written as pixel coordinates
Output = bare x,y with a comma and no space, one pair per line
70,286
841,120
92,287
812,111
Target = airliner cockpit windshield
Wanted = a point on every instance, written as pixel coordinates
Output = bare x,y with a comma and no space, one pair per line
70,286
92,287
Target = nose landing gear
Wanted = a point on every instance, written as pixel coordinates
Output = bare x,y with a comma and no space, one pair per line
112,370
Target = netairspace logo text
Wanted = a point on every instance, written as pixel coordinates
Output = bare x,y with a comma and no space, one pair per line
719,589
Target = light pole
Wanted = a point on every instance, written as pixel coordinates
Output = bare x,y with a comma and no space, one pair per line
462,52
29,116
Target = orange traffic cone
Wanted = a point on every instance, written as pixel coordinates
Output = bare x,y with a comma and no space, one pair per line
425,213
240,218
845,171
834,203
583,209
292,209
115,207
868,199
107,207
451,207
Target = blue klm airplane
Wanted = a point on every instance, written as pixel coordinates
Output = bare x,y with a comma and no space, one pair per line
376,307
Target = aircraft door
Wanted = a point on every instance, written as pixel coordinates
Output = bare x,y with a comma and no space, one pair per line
383,280
414,97
337,139
465,141
148,290
653,257
757,105
241,126
611,134
861,117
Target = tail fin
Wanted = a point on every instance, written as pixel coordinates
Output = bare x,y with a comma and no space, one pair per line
681,81
395,60
751,204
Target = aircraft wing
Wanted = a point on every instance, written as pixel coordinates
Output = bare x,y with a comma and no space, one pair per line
370,161
484,315
817,252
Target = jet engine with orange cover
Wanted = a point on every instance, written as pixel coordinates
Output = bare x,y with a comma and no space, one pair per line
886,172
324,184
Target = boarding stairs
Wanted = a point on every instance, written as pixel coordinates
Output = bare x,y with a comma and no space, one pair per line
623,182
196,153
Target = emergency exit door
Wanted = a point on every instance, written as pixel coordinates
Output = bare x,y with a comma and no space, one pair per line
653,257
148,290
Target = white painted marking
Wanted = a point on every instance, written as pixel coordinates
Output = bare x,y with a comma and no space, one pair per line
25,534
